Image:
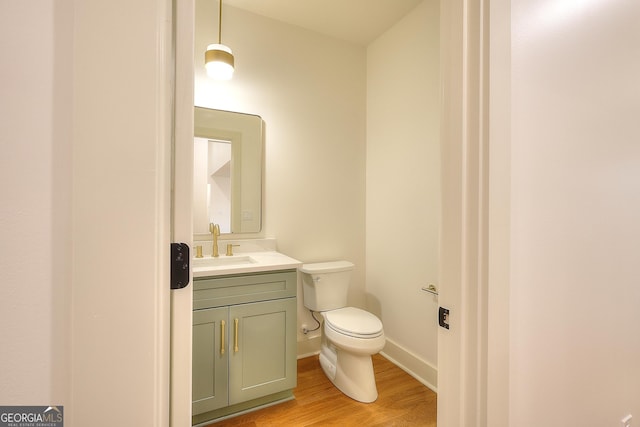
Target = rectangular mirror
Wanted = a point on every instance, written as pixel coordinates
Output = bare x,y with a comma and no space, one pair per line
227,172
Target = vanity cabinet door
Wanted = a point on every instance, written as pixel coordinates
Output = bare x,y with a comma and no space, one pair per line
210,359
262,349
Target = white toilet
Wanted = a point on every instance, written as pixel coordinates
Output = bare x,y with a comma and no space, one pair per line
349,335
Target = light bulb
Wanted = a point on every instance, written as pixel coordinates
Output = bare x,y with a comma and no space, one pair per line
218,61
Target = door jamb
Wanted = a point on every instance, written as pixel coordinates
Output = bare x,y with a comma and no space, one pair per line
182,180
464,387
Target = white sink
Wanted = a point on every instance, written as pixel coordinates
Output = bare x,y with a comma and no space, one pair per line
243,262
223,261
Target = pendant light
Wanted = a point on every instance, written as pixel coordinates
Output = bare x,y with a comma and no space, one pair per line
218,59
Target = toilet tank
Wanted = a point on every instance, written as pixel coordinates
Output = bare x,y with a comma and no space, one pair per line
325,284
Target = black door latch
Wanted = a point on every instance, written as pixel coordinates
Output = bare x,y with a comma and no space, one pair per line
443,317
179,265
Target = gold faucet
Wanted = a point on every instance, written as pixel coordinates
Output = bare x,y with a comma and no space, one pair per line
214,229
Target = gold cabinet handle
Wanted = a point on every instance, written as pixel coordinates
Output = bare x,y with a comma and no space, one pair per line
222,340
235,345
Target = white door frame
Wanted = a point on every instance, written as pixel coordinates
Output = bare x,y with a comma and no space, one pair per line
182,171
473,363
497,290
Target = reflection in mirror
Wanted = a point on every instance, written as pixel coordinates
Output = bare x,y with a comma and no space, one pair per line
227,172
216,171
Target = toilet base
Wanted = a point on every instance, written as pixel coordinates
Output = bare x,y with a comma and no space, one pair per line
351,373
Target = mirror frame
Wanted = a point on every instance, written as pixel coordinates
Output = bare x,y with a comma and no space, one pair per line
246,133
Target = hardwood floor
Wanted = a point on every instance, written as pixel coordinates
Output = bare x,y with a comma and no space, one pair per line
402,401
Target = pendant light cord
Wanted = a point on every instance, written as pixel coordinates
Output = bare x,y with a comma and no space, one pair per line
220,24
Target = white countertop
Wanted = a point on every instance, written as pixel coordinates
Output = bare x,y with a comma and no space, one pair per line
243,262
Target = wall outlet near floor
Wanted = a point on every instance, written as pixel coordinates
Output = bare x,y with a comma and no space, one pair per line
626,421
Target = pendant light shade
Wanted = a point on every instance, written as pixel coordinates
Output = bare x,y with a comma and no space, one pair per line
218,59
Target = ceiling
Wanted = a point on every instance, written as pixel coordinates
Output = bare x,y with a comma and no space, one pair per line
356,21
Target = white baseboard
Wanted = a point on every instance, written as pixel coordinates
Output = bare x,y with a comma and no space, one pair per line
418,368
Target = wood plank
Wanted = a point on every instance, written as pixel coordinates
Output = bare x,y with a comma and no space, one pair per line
402,401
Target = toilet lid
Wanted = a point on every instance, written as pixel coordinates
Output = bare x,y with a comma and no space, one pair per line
354,322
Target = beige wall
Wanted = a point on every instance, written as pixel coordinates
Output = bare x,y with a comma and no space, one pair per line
35,222
403,181
575,204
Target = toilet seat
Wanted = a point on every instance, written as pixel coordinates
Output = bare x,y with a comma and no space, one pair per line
354,322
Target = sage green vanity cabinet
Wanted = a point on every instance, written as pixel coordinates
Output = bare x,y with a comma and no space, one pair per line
210,366
244,342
